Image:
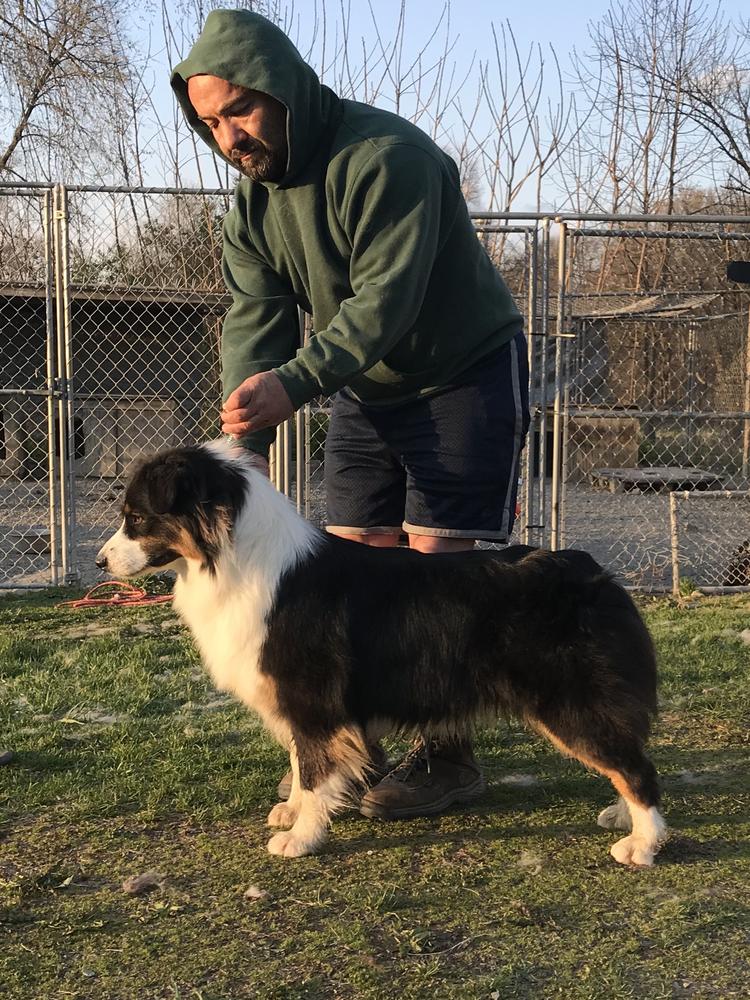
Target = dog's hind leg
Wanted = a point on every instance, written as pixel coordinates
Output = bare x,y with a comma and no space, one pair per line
329,766
634,777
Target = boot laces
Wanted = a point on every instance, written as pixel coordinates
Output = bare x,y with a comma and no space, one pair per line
417,759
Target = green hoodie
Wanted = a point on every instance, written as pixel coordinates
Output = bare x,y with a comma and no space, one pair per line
367,231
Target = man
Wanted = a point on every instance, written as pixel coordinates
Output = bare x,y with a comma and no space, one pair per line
357,216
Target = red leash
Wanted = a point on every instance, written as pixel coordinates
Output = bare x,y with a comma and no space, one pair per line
126,596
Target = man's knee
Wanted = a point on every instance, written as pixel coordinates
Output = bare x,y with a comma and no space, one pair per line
378,539
436,543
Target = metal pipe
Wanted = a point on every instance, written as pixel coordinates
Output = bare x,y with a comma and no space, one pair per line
616,217
58,217
72,575
299,459
557,404
565,472
527,510
49,282
52,393
308,477
582,411
746,404
287,429
542,504
670,234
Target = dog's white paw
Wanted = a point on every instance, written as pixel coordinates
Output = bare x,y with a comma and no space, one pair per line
632,851
282,815
615,817
286,845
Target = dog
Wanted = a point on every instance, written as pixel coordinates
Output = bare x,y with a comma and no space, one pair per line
334,643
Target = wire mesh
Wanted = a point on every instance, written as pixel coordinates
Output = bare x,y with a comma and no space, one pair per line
27,522
147,301
640,383
710,540
655,387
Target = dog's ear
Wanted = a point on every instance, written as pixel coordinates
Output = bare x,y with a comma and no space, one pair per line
174,484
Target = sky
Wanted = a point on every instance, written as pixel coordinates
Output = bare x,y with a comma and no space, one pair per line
563,25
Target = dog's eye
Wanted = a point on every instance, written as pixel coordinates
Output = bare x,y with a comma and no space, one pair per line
135,519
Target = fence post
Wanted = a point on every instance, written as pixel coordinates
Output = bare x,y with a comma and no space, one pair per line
557,406
746,405
544,320
65,403
52,464
530,525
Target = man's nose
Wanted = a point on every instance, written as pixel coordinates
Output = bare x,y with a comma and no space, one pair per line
229,134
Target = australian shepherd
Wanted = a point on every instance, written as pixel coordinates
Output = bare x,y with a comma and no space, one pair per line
334,643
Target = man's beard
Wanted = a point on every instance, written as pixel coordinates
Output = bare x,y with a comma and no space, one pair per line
263,163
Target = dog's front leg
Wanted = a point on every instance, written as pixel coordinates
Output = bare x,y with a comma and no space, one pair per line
285,814
327,765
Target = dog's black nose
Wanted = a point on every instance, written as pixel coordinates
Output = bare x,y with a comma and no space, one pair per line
101,562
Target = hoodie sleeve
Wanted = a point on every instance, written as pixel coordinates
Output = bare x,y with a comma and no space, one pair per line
261,329
394,215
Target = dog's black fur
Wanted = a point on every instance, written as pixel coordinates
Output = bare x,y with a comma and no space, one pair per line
439,641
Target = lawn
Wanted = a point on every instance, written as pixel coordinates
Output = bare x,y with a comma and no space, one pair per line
127,761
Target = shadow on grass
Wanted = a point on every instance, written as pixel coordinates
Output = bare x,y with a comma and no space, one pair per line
680,849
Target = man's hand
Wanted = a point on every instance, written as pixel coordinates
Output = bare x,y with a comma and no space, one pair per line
260,401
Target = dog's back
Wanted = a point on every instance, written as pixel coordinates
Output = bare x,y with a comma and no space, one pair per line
441,640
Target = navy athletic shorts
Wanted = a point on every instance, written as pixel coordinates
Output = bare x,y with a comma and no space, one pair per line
444,465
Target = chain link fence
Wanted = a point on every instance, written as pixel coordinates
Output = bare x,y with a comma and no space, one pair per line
112,302
654,390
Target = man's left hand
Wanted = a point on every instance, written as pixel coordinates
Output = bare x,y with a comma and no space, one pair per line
258,402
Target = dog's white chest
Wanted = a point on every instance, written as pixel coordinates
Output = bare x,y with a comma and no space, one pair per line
229,631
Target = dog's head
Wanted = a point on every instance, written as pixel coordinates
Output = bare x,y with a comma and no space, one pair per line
180,504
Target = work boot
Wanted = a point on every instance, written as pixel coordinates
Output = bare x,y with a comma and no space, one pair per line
380,767
429,779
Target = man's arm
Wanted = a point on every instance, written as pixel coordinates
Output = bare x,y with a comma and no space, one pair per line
261,329
393,216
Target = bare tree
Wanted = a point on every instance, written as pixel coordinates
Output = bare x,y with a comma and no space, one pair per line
639,145
63,62
716,94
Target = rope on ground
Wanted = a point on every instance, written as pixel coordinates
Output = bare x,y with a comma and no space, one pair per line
127,595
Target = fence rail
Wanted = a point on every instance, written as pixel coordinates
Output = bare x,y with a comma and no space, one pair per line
111,303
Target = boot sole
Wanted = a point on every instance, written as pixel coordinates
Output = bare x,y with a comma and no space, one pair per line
374,810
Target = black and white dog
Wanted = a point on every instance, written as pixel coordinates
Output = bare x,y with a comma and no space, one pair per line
335,643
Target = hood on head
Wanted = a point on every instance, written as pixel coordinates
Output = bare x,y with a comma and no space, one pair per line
248,50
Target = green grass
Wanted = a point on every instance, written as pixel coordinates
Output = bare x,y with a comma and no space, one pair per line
128,761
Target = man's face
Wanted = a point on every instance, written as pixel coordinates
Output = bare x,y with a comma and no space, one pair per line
248,126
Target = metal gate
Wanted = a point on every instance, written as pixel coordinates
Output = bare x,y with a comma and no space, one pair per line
35,539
